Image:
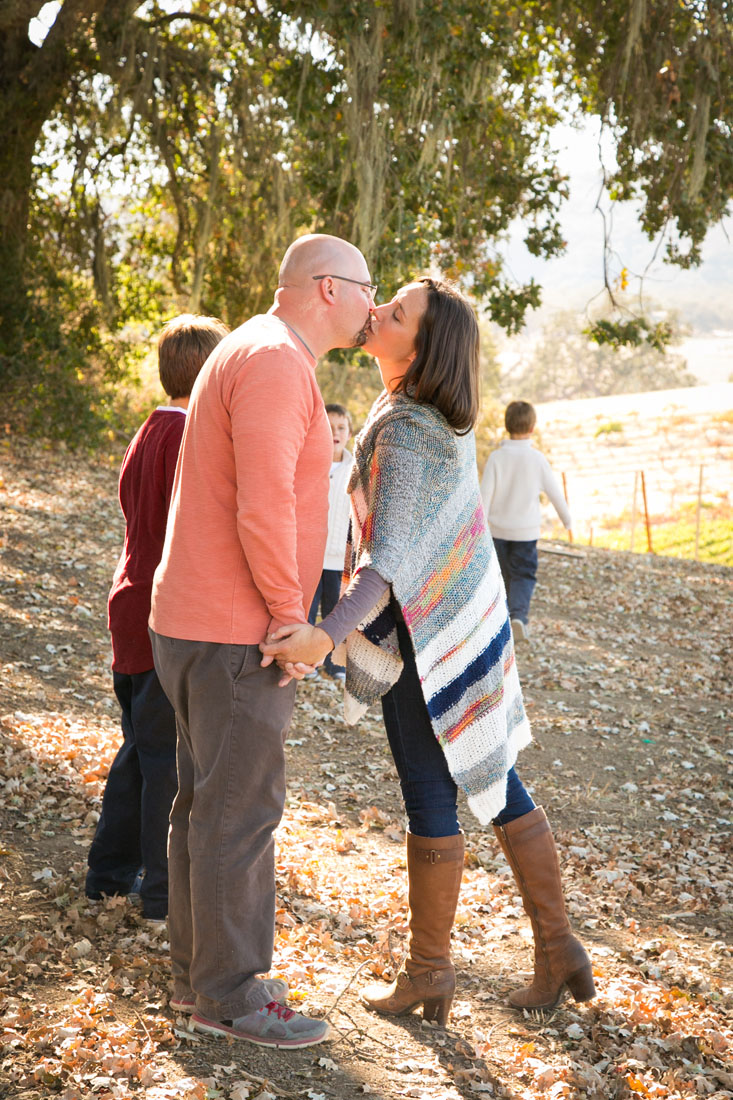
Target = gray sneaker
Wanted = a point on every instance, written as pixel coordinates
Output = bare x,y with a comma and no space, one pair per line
273,1025
520,630
186,1002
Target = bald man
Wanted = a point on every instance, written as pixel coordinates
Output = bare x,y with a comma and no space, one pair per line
243,553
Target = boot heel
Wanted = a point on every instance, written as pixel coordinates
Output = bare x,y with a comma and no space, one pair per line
581,984
437,1009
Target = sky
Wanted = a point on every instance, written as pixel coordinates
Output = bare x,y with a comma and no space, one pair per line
39,27
701,297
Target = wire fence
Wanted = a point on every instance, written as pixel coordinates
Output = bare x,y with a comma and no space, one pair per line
636,502
648,472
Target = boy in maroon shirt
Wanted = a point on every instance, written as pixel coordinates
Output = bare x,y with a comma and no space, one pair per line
132,832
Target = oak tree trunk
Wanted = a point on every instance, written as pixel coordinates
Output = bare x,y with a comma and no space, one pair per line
33,79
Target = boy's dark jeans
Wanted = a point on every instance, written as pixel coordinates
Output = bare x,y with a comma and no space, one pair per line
326,598
518,564
428,789
132,831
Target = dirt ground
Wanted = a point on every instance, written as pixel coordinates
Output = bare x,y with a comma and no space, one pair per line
628,684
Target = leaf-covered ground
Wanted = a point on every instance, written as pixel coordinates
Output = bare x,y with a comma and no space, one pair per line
629,686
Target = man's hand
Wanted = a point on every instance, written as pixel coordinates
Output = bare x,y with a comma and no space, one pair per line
297,648
293,671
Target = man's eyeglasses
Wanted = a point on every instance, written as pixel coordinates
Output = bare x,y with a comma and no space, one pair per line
372,288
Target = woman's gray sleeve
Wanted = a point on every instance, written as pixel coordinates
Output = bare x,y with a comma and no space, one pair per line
363,593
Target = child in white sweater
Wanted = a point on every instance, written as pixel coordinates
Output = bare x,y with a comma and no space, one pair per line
513,478
329,587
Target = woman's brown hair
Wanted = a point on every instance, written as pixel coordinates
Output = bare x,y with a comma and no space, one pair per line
445,370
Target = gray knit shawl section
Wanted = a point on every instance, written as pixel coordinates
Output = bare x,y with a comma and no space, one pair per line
417,519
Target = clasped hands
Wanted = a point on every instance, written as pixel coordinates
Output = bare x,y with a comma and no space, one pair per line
297,649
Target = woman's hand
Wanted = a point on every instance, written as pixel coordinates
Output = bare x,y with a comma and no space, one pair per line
296,648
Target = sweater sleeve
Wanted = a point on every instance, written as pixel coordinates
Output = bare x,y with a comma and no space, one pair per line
551,486
364,592
488,485
271,408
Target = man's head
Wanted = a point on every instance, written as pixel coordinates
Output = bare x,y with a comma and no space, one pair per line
324,286
340,421
520,419
184,345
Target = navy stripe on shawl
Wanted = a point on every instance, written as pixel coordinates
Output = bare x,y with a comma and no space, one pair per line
451,694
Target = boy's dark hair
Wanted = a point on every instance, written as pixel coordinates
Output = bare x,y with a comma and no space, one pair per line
519,417
340,410
184,345
445,370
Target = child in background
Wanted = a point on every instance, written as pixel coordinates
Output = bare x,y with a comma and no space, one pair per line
132,832
329,587
513,478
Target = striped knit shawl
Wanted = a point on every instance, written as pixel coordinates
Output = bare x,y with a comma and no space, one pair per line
417,519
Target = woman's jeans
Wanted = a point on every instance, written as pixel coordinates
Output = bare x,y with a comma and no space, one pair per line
518,564
428,789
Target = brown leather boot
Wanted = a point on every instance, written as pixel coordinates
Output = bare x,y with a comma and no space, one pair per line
560,960
427,977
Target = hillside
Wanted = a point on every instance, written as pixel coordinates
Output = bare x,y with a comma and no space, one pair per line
628,683
601,443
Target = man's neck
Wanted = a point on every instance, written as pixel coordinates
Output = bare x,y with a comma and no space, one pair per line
312,341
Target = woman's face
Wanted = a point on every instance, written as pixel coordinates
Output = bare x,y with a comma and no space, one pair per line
394,330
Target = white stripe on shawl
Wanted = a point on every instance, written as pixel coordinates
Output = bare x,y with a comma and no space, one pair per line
492,724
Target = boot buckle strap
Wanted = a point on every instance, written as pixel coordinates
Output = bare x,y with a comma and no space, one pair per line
438,855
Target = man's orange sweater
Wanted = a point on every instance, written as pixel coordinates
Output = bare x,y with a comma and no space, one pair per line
249,516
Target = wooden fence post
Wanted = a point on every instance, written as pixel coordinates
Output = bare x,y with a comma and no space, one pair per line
633,510
697,515
646,515
565,493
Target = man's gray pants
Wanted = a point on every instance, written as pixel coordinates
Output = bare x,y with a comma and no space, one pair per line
232,719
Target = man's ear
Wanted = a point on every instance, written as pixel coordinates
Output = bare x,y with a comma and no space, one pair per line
326,288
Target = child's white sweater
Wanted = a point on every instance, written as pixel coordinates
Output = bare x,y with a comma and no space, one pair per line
514,477
339,509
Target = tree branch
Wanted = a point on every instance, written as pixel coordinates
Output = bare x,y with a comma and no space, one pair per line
173,15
